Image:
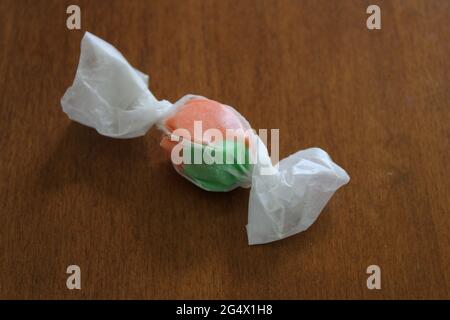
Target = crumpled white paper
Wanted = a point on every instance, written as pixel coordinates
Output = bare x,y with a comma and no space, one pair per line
289,199
108,94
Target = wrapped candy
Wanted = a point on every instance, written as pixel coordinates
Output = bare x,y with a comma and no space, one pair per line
212,160
211,144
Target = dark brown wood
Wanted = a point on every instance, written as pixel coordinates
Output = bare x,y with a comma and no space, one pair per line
377,101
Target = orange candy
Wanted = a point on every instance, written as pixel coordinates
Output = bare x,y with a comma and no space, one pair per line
213,115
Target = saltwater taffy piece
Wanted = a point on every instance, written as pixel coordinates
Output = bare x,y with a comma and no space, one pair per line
210,144
228,140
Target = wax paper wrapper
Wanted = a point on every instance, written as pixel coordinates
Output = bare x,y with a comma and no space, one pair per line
111,96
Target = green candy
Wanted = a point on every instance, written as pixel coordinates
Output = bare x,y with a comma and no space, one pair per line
219,176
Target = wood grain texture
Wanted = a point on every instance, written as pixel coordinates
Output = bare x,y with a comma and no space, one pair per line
377,101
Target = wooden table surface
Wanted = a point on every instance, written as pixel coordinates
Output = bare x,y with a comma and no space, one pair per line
377,101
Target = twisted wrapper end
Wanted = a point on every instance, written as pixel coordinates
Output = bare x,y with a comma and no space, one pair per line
288,199
108,94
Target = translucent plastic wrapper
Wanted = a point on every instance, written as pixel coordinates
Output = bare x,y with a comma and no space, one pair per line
111,96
